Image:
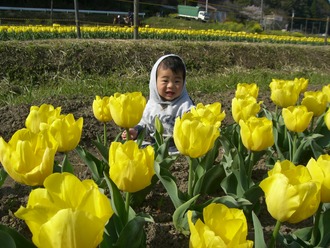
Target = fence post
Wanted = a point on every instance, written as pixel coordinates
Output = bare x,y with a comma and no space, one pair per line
136,19
326,31
76,11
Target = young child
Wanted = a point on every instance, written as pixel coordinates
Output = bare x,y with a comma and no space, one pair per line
168,97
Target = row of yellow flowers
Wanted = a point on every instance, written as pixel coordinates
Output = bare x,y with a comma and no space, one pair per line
58,31
59,216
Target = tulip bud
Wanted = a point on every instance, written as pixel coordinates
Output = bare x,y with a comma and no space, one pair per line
315,101
327,119
320,172
284,93
131,168
67,212
194,136
244,108
28,157
211,232
291,194
244,90
46,113
101,109
127,109
67,132
257,133
296,118
159,126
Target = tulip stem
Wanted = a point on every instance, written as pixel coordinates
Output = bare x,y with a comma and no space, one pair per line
104,134
315,233
311,128
294,147
190,177
275,233
128,136
250,167
127,204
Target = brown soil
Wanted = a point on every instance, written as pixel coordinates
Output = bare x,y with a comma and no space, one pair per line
161,233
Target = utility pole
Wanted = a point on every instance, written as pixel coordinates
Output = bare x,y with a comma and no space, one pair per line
326,31
262,13
206,5
292,20
51,11
76,11
136,19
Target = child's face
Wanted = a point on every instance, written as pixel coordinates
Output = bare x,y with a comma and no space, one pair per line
169,84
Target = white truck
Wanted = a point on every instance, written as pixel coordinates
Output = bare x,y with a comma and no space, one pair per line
192,12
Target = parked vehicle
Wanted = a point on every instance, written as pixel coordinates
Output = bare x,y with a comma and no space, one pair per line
193,12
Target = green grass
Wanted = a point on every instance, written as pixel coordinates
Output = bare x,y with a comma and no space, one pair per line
35,71
91,85
181,23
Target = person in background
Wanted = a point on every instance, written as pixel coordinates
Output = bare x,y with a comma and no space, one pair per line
168,97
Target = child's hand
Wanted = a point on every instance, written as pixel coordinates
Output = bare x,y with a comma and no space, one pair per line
133,134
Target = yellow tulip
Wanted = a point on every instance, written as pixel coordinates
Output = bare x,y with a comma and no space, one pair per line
301,83
315,101
101,109
194,136
284,93
46,113
66,213
327,119
211,112
127,109
297,118
28,157
244,108
326,91
131,168
257,133
291,194
320,172
222,227
66,131
244,90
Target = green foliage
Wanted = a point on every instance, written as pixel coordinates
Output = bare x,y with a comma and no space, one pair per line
35,71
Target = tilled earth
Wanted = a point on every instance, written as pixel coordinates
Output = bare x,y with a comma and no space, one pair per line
161,233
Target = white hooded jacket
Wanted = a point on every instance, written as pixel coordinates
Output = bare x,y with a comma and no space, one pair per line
167,111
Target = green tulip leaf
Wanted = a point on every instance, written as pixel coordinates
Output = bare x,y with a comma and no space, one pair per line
133,234
117,201
308,143
6,240
232,185
229,201
180,216
209,181
324,227
169,183
104,150
324,141
93,163
298,239
138,197
259,240
7,235
111,232
277,144
210,157
317,149
3,176
253,195
140,137
158,138
66,165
